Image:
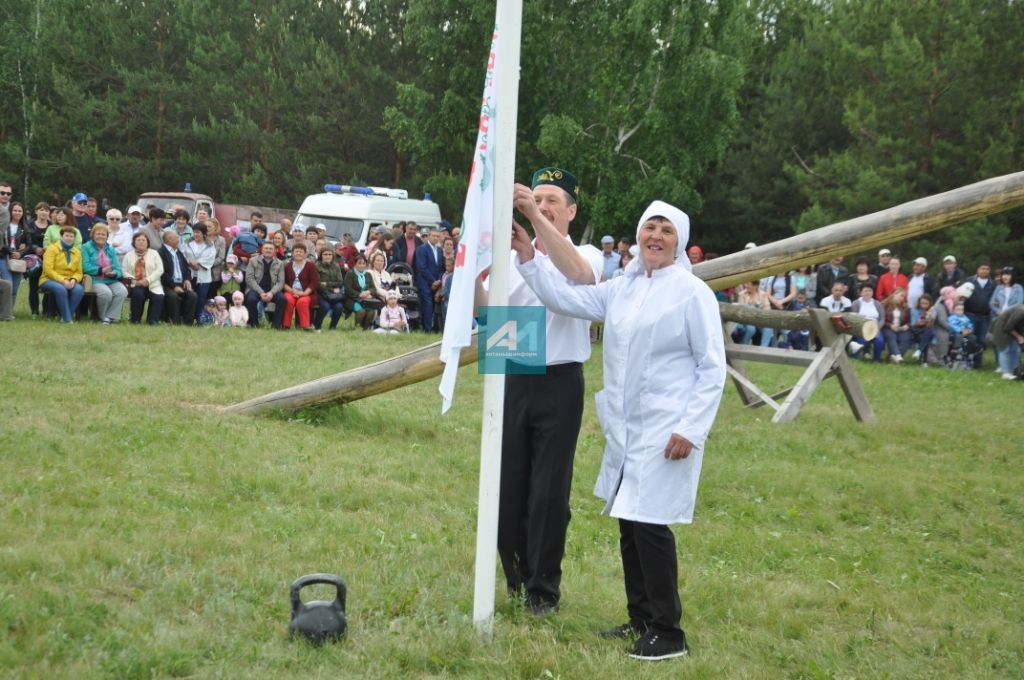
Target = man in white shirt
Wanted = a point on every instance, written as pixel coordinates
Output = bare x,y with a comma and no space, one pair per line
920,282
611,257
135,218
543,413
837,302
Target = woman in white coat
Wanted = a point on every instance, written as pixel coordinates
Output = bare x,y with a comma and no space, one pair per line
664,372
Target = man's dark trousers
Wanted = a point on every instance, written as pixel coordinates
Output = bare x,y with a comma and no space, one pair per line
543,414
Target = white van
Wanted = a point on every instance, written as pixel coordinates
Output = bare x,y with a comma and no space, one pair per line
359,210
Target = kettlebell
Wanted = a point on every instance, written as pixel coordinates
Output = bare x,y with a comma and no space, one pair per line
318,621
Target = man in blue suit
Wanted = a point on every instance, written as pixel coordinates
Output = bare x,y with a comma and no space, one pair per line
429,268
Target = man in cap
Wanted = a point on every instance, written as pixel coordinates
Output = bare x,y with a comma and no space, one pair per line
299,236
951,275
79,202
611,258
919,282
543,412
884,255
135,218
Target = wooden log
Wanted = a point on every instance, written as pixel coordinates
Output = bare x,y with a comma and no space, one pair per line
357,383
883,228
856,325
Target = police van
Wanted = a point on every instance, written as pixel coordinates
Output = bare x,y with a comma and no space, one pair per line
344,209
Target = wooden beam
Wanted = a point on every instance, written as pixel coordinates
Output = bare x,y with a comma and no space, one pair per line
357,383
856,325
883,228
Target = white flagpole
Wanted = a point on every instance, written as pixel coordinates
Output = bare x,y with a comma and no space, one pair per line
508,23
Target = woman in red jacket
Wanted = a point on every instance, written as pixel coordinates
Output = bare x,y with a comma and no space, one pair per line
301,281
890,281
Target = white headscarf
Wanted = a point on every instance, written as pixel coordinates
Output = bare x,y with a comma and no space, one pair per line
679,220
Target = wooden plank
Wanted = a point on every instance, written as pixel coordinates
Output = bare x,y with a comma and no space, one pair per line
805,387
740,368
770,355
775,397
843,370
761,396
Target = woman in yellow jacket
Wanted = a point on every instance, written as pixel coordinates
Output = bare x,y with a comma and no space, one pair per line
62,273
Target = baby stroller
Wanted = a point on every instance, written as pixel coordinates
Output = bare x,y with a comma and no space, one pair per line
401,274
962,353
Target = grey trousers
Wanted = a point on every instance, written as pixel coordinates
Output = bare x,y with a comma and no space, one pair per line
6,304
110,299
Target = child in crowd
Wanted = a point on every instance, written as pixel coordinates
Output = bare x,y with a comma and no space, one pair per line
238,314
392,317
231,277
961,330
798,339
208,316
221,315
949,296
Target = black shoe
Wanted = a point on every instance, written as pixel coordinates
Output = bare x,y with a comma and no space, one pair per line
541,608
654,647
625,631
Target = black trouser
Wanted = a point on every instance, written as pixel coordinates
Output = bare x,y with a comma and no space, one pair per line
180,307
651,572
336,310
252,301
542,421
981,323
138,297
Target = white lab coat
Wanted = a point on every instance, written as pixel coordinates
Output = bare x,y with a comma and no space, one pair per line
664,372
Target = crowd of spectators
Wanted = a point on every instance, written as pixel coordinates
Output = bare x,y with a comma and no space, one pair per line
180,268
927,318
943,318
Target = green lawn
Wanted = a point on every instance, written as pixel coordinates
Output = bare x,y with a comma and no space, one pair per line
143,535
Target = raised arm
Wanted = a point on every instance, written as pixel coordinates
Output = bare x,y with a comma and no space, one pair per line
562,252
579,301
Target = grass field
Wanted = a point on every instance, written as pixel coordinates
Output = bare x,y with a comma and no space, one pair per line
144,535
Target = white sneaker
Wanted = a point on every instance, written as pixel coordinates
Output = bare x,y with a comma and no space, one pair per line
854,347
896,358
1009,376
916,355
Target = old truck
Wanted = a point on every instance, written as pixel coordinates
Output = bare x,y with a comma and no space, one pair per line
227,214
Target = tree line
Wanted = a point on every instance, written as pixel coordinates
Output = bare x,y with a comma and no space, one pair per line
759,117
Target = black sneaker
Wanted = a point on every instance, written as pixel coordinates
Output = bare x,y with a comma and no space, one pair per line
541,608
625,631
654,647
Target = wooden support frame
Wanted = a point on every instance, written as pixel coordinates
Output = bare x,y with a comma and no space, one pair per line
831,360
